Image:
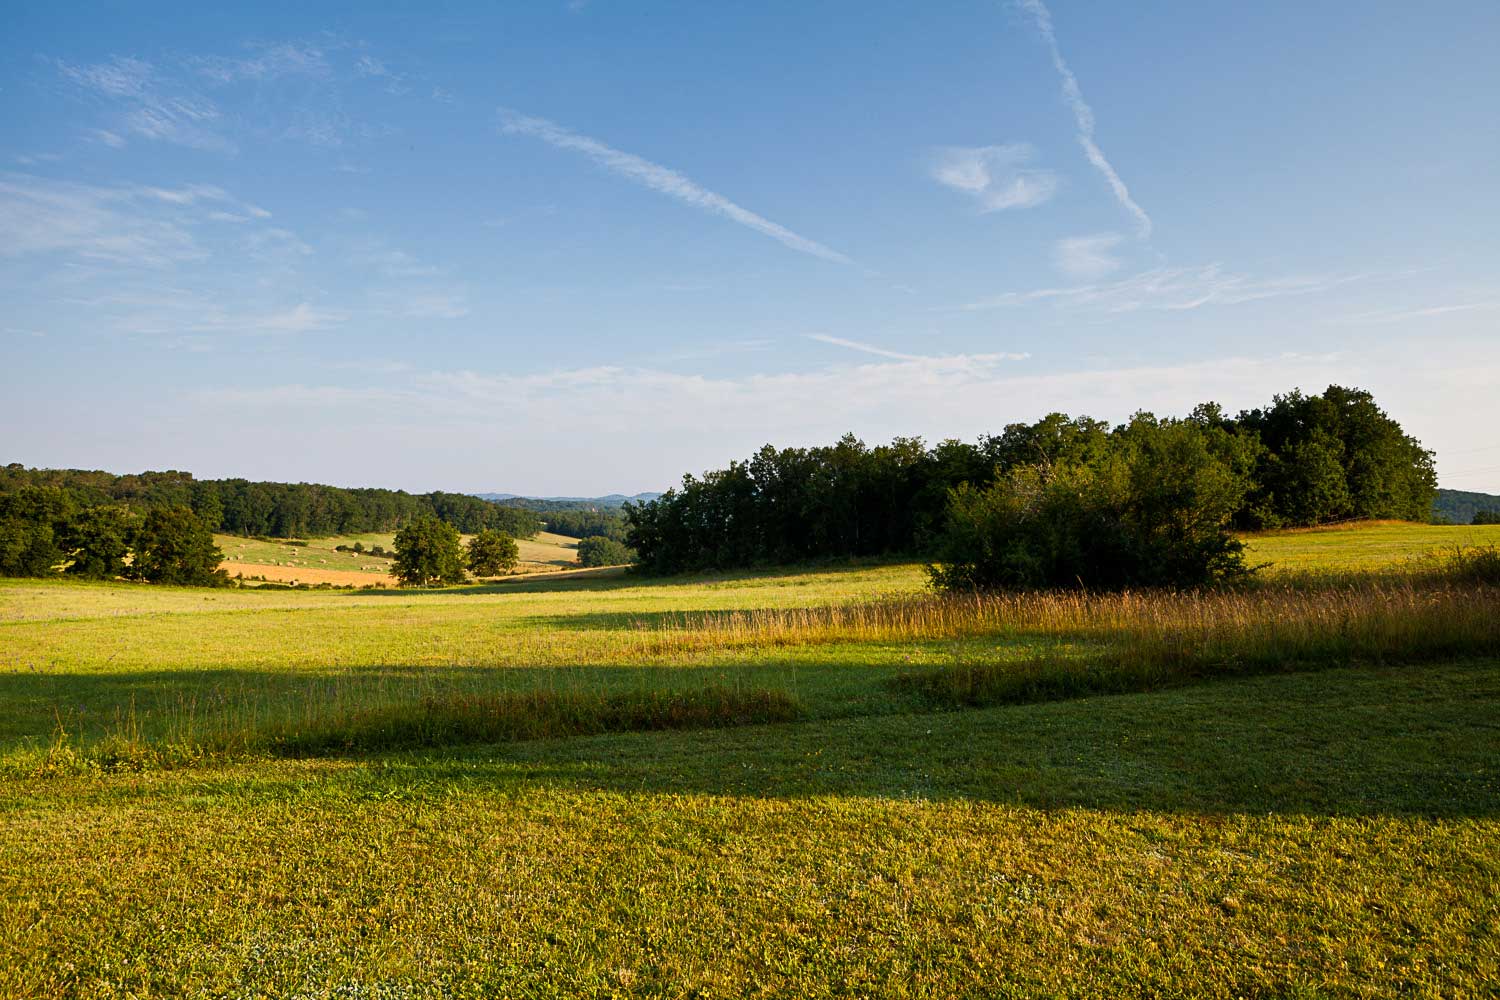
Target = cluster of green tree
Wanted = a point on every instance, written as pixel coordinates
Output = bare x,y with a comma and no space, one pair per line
1486,517
1464,507
1302,460
600,550
276,510
429,553
584,523
43,531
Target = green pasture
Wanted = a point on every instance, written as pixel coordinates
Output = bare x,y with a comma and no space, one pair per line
1362,547
1316,834
1330,834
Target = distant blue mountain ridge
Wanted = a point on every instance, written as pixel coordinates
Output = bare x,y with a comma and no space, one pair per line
611,500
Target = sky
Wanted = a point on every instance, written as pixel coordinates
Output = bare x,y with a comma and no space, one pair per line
587,247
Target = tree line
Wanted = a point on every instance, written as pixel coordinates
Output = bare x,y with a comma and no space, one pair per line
41,529
587,523
1052,502
273,510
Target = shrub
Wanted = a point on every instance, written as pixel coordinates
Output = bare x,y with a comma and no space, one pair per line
1154,511
1478,564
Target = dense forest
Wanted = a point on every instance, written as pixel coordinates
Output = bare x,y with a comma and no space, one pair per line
1302,460
276,510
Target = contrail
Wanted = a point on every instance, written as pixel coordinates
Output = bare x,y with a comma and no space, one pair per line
661,179
1084,116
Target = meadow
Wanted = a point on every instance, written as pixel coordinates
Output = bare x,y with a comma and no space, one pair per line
815,782
319,561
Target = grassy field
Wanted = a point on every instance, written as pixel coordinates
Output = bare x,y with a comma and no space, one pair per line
316,560
1362,547
844,787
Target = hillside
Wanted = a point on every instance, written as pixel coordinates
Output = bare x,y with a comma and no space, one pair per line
544,504
1460,506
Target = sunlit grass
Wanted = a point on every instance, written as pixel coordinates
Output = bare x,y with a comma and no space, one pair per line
1361,546
1330,834
396,794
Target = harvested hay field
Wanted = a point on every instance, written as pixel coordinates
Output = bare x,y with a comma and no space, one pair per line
275,573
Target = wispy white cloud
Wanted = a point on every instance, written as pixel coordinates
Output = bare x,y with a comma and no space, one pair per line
661,179
599,415
394,263
724,416
182,316
434,305
152,106
121,76
1171,289
301,318
171,102
42,216
1083,115
1087,256
266,62
995,176
855,345
948,361
367,66
409,285
1383,316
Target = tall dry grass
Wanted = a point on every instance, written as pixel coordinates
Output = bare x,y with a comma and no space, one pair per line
1131,641
1368,615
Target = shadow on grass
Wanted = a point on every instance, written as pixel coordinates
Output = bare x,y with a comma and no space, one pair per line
1413,741
621,577
1420,741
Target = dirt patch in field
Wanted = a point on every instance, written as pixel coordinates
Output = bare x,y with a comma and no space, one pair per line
308,574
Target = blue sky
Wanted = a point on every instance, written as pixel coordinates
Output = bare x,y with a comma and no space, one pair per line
587,247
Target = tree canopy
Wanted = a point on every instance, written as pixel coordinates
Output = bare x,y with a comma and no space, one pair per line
598,550
491,553
173,546
1302,460
428,554
275,510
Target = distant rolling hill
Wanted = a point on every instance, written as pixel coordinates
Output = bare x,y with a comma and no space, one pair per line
1460,506
613,500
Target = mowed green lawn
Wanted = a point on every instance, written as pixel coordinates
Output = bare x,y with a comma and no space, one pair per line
1324,834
